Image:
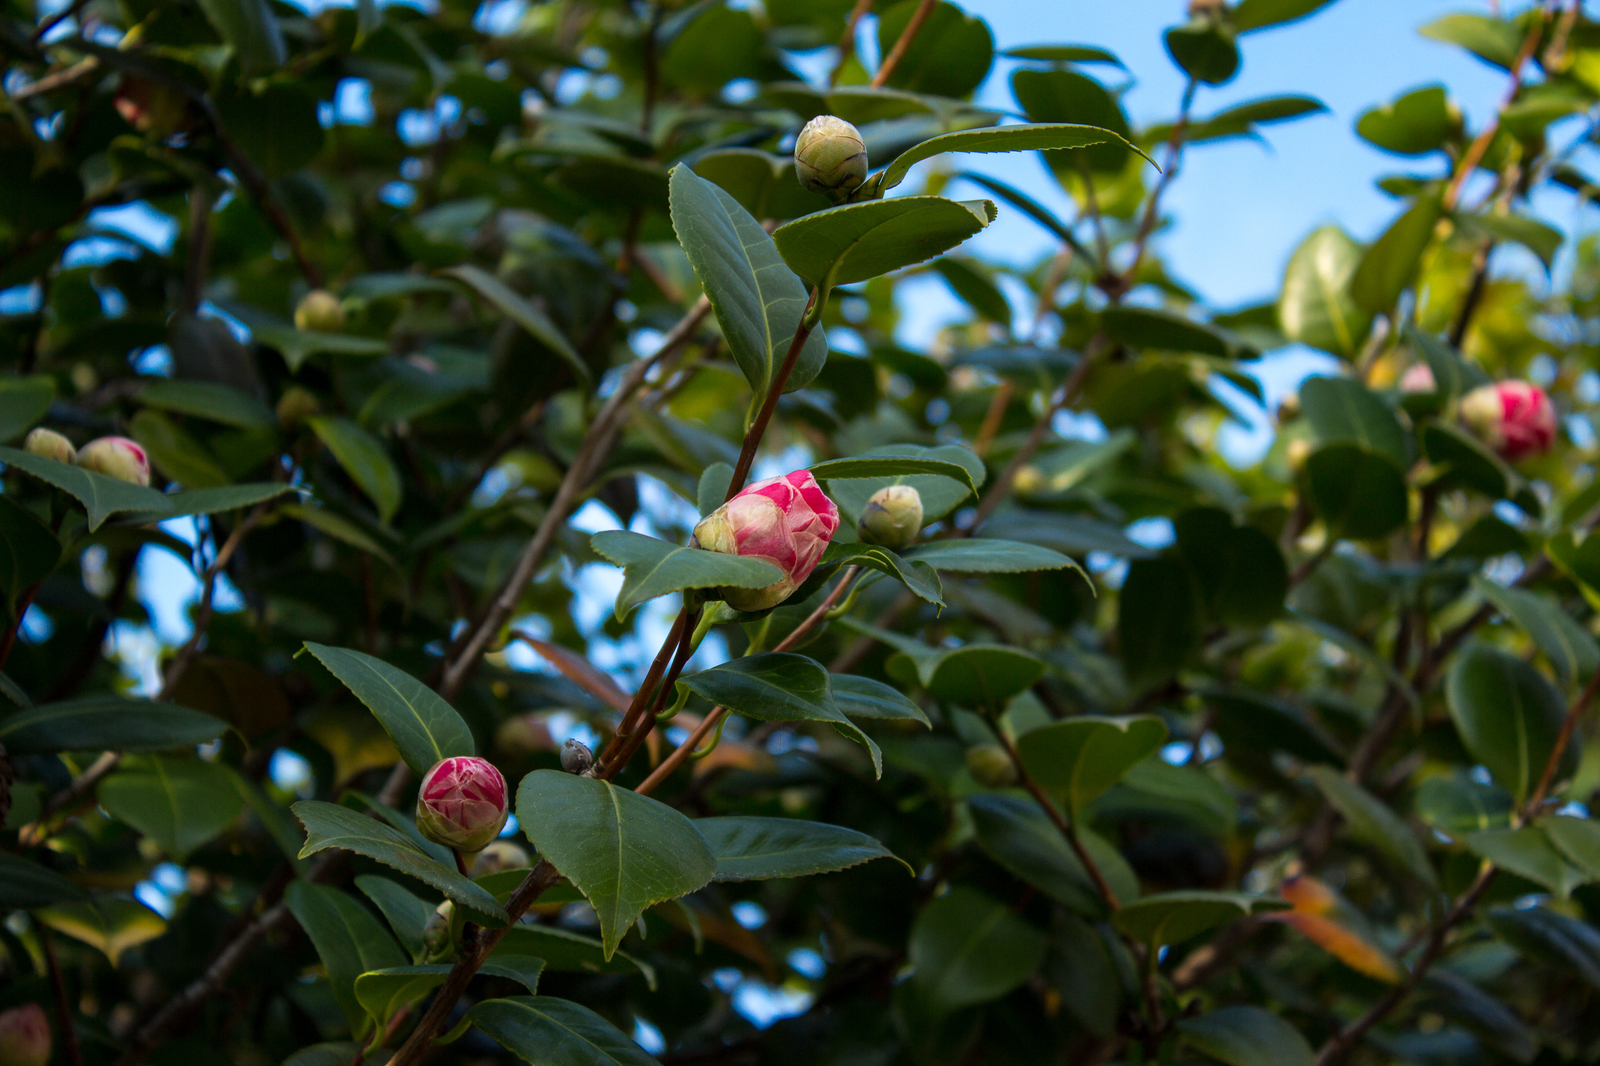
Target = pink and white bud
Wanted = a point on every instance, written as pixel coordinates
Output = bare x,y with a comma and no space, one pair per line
49,444
1418,378
892,517
116,457
24,1036
786,520
1514,418
462,803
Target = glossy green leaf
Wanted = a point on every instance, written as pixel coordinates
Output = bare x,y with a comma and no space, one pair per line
751,848
382,993
106,723
1360,494
654,568
1421,121
990,555
1549,936
1017,835
920,578
1539,238
252,30
857,242
174,452
1253,15
758,301
940,494
521,311
1577,839
974,285
1246,1036
24,883
623,851
349,940
365,459
424,727
546,1031
1064,53
329,825
1315,306
1241,120
222,498
109,924
1373,823
406,914
1569,647
888,465
1507,715
101,496
298,345
564,951
1242,576
1204,49
974,675
967,948
1391,262
1466,462
28,550
1173,917
178,803
23,402
1342,410
1458,805
211,401
1494,40
1453,376
1026,137
1528,853
862,697
1149,328
1080,758
950,55
1158,620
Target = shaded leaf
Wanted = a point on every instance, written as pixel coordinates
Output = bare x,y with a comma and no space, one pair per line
757,849
654,568
425,728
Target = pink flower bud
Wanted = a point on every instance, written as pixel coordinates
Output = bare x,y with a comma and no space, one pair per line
116,457
24,1036
1418,378
1514,418
462,803
786,520
49,444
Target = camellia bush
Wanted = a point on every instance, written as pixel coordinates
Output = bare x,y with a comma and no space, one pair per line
613,647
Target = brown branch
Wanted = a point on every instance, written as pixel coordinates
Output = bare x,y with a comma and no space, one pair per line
847,43
1068,829
993,417
1563,739
59,79
1152,207
898,52
758,428
58,992
1480,144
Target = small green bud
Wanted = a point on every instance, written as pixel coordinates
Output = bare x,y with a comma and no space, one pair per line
320,311
830,157
991,766
501,855
49,444
892,517
296,405
436,933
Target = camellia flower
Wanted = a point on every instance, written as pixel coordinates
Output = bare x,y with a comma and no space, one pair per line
830,157
24,1036
786,520
50,444
1418,378
1514,418
462,803
892,517
116,457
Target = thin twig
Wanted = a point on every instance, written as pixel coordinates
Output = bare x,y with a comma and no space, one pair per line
1480,144
1068,829
847,43
1563,739
758,428
898,52
1152,207
58,991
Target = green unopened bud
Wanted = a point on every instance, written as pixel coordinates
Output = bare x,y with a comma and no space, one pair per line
830,157
116,457
49,444
319,311
436,933
501,855
1296,454
892,517
296,405
991,766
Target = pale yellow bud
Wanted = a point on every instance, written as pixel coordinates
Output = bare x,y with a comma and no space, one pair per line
830,157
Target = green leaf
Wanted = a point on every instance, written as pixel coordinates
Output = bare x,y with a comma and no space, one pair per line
336,526
1578,839
919,577
1507,715
1453,376
348,939
1017,835
1240,120
564,951
1542,240
523,313
1493,40
989,555
1173,917
712,490
654,568
971,282
28,550
966,948
758,301
1253,15
882,464
547,1031
1241,574
1360,494
27,884
974,675
23,401
758,849
382,993
1027,137
623,851
111,925
329,825
858,242
1371,822
1064,53
950,55
940,494
1080,758
1067,96
1458,805
106,723
1467,463
219,499
1528,853
1570,943
1158,620
1341,410
862,697
1205,50
1390,263
179,803
1149,328
365,459
252,30
1316,306
174,452
1246,1036
298,345
406,914
101,496
211,401
1571,648
1422,121
424,727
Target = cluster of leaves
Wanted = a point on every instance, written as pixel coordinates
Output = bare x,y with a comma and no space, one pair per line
1308,771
